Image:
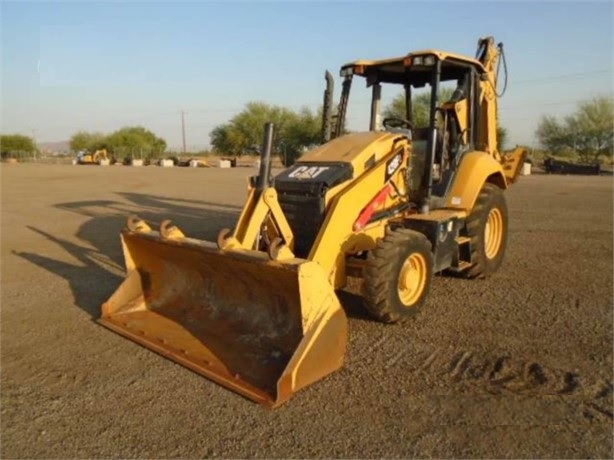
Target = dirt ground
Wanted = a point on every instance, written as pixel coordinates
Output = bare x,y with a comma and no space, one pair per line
517,366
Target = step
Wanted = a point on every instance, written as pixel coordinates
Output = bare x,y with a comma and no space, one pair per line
462,265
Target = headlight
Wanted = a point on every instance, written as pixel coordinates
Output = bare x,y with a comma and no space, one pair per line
429,60
346,72
418,60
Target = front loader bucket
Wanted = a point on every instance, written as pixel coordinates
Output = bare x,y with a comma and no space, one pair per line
264,329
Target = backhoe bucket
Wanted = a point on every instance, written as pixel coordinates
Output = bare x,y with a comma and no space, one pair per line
262,328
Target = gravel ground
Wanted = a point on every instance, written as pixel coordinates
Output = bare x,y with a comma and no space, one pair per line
517,366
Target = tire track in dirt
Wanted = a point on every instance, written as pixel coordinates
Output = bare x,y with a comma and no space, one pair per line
500,374
507,374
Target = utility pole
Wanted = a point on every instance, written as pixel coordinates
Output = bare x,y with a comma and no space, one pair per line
34,130
183,129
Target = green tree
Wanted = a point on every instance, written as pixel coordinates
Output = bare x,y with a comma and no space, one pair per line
136,142
552,136
15,145
225,138
302,132
244,132
87,141
589,131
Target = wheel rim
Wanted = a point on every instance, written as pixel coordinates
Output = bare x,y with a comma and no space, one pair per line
493,233
412,279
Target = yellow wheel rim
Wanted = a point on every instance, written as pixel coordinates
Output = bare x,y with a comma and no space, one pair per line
493,233
412,279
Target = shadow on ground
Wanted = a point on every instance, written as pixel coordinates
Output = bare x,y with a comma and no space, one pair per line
100,267
91,281
101,263
353,305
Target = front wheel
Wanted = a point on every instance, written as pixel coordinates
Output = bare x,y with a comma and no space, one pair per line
487,228
397,275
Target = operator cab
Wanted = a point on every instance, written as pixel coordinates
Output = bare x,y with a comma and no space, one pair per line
449,84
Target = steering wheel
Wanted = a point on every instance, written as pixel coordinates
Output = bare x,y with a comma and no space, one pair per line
394,122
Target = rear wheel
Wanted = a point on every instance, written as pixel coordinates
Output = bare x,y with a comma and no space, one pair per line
397,275
487,228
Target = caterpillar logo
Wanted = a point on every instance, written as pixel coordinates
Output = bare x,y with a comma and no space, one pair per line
393,164
307,172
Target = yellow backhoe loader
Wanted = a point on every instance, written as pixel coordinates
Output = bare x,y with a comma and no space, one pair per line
93,158
257,310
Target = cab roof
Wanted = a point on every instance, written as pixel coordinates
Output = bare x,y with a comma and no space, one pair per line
395,70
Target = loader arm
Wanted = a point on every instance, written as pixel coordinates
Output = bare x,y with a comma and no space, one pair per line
260,209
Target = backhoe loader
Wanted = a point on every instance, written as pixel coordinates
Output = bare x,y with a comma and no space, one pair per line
98,157
257,311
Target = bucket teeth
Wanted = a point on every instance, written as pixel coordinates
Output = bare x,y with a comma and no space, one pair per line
170,231
278,250
223,237
136,224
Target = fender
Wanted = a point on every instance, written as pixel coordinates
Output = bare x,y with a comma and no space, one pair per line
475,169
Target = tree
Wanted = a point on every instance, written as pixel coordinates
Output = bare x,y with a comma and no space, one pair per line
12,145
87,141
589,131
135,141
551,135
243,133
303,131
225,139
130,141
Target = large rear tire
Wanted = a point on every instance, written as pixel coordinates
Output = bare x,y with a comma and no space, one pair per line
487,228
397,275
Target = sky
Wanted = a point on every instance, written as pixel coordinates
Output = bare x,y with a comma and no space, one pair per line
98,66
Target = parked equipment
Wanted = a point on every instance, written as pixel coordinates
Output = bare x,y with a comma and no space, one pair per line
96,158
552,166
257,312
